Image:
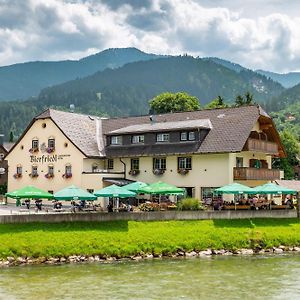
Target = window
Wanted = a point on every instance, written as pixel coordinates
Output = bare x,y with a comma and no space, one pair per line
51,143
50,170
162,137
35,144
116,140
192,136
187,136
185,163
137,139
135,164
159,163
183,136
239,162
68,170
90,191
34,171
110,164
19,170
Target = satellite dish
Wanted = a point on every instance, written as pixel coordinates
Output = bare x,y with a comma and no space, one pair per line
2,171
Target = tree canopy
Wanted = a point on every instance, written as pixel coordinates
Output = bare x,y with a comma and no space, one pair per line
174,102
247,99
293,152
216,103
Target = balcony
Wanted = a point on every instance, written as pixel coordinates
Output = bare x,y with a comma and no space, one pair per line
261,146
245,173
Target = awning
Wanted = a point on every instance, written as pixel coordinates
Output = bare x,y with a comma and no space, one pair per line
117,181
290,184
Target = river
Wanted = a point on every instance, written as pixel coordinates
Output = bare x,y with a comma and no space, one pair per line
247,277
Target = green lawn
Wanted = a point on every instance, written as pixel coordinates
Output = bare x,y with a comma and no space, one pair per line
122,238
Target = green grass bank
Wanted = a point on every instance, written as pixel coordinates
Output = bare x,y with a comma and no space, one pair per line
126,238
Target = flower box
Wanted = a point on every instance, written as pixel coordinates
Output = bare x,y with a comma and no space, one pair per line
182,171
49,175
158,171
67,175
33,175
33,150
134,172
16,176
50,149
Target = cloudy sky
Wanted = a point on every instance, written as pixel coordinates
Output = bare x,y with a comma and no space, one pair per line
261,34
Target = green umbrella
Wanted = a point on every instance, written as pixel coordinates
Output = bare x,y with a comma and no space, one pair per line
234,188
272,188
115,192
74,193
29,192
161,188
135,186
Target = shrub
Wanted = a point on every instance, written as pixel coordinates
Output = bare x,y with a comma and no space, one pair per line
189,204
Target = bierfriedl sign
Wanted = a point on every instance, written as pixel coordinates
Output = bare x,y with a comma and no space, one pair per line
47,158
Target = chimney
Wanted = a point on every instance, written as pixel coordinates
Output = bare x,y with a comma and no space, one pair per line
1,139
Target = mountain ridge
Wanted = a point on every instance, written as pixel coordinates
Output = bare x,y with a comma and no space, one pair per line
24,80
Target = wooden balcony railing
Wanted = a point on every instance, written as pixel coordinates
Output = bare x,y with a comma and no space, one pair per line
245,173
261,146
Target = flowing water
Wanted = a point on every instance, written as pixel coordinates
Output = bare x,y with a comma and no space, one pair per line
253,277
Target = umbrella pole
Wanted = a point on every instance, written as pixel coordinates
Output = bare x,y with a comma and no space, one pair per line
298,205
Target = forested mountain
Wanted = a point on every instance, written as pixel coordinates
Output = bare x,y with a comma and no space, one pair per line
228,64
288,118
127,90
287,80
21,81
285,99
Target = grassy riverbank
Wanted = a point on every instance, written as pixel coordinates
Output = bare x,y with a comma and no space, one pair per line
125,238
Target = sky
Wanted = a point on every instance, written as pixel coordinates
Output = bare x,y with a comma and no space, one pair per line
258,34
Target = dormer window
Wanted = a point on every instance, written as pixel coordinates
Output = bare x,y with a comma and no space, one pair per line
187,136
138,139
192,136
162,137
116,140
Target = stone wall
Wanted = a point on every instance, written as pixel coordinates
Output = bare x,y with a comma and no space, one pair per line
146,216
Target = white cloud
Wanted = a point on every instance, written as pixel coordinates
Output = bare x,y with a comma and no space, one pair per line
259,35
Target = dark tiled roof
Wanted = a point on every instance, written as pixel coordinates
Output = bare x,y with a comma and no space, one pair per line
230,128
164,126
8,146
82,130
